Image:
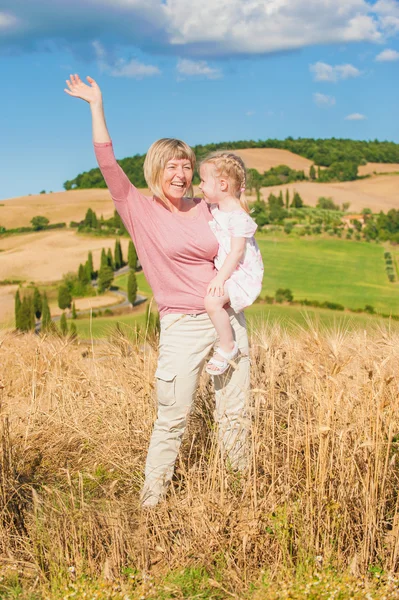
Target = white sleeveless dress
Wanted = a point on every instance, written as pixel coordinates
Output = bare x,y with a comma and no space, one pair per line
245,283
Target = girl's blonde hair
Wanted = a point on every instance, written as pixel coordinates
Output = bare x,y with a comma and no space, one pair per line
158,155
232,167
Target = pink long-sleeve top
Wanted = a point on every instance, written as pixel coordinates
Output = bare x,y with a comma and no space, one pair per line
176,251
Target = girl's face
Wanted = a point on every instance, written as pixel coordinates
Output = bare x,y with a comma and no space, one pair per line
176,178
210,184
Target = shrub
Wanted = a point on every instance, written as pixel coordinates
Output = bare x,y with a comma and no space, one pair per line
284,295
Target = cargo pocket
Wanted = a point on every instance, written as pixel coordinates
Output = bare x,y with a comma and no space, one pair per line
166,384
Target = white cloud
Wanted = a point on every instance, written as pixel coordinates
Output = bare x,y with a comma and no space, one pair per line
7,20
323,100
203,28
121,67
133,68
197,68
355,117
388,16
325,72
387,56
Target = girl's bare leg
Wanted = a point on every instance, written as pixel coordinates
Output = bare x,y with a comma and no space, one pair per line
221,322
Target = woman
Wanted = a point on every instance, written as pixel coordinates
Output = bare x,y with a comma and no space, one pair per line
176,248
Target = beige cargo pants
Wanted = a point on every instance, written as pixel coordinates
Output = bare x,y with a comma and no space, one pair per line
185,342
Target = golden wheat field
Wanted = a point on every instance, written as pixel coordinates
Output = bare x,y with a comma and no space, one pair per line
320,491
44,257
263,159
376,193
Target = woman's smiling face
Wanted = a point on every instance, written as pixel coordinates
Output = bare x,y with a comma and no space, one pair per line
176,178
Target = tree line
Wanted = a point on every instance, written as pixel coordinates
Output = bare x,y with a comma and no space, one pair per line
34,307
340,156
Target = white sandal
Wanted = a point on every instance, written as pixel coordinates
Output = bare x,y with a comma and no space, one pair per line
222,365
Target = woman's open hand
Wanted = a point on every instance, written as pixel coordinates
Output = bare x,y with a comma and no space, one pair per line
90,93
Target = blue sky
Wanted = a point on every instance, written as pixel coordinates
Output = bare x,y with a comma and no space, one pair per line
200,70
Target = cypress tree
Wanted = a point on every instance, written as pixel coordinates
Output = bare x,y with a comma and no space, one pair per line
17,305
27,316
63,324
81,273
103,261
88,272
287,198
74,314
37,303
132,287
73,332
90,265
105,278
46,316
110,260
312,173
118,255
64,297
132,256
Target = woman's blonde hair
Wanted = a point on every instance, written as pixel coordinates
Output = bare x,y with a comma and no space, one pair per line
158,155
232,167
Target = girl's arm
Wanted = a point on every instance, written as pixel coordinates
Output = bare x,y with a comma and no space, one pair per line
117,181
216,286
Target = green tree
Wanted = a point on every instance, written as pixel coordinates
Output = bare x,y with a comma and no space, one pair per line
103,262
26,314
284,295
88,272
110,260
105,278
90,219
326,204
17,305
73,332
287,198
297,201
132,256
64,297
132,287
63,325
118,255
312,173
83,274
259,213
90,266
39,223
74,314
37,303
46,316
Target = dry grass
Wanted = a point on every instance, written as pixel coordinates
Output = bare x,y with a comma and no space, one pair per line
372,168
376,193
321,488
263,159
47,255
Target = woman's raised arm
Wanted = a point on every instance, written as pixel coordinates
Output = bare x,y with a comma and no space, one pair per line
91,94
116,180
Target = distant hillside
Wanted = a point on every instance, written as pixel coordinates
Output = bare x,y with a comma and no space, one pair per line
332,153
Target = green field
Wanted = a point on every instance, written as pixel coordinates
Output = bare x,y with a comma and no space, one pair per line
292,318
350,273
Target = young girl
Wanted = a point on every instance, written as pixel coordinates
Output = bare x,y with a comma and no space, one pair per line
238,261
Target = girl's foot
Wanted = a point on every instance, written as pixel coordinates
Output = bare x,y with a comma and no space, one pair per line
216,366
